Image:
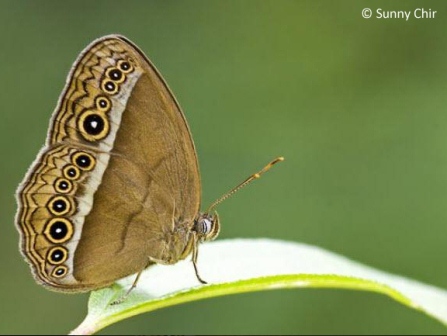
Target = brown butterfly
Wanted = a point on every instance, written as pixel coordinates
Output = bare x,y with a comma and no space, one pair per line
116,187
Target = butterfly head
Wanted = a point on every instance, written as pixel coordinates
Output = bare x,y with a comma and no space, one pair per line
207,226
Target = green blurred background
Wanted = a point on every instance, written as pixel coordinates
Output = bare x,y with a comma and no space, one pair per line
357,107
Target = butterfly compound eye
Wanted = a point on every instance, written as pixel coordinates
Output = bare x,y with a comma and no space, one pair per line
204,226
207,226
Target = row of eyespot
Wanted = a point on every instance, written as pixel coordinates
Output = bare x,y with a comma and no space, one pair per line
59,230
94,124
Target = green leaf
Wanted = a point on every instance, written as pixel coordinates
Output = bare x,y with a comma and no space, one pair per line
246,265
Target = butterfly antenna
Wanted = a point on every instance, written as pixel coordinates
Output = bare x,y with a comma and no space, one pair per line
247,181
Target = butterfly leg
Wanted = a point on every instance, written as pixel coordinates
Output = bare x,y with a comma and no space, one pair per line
124,297
195,254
